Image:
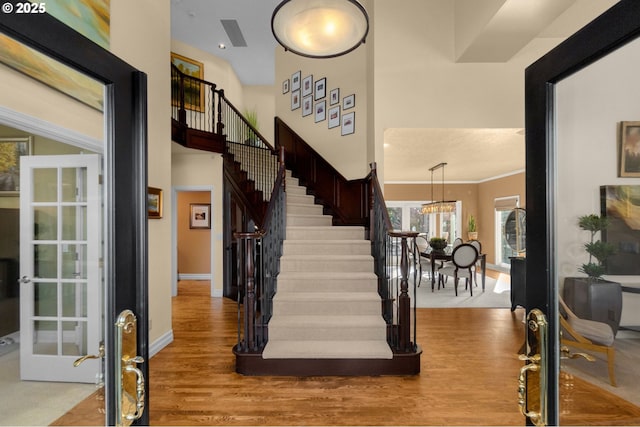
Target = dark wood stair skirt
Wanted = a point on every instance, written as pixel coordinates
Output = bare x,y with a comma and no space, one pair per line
254,365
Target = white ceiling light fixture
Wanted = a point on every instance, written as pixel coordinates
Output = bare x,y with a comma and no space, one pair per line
320,28
441,206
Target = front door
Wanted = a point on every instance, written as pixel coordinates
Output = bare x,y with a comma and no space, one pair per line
125,197
594,124
61,279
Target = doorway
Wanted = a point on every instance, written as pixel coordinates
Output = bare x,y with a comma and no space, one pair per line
193,236
18,397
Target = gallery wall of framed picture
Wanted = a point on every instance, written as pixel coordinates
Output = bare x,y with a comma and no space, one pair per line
315,97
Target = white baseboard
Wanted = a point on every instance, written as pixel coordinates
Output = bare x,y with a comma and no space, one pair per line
217,293
185,276
160,343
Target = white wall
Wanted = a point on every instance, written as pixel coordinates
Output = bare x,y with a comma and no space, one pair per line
589,106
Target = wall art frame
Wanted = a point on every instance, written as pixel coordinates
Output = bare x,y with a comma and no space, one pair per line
154,203
295,99
348,123
307,105
629,149
334,117
349,102
11,149
320,111
200,215
334,96
307,85
193,93
285,86
295,80
320,89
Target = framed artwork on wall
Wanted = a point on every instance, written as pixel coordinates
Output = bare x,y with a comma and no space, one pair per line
629,150
10,151
295,100
620,204
349,102
334,96
321,88
295,80
154,203
307,85
321,111
348,123
285,86
200,215
307,103
334,117
193,90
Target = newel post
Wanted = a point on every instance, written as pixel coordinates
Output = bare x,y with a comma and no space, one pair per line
404,301
220,124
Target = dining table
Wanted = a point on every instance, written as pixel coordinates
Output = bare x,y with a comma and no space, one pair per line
445,255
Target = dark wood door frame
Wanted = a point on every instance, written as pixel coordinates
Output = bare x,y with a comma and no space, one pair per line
613,29
125,171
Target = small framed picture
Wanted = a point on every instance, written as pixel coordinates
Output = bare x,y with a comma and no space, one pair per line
307,85
348,123
285,86
154,203
334,96
295,80
11,149
200,215
334,116
629,160
321,111
295,100
349,102
307,103
321,89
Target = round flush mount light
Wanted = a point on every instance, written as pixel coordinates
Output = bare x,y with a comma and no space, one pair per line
320,28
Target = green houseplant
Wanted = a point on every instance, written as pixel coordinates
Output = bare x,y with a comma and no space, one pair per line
472,231
438,243
593,297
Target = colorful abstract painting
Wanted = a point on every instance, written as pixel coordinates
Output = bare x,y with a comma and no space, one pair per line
621,204
50,72
91,18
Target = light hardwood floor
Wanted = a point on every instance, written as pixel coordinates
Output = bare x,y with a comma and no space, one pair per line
468,377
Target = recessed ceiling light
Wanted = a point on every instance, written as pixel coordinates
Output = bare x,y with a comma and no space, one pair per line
222,46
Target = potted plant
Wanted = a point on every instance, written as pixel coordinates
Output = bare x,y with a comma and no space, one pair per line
438,243
472,231
593,297
251,116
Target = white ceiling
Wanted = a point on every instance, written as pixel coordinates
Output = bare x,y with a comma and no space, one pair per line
486,31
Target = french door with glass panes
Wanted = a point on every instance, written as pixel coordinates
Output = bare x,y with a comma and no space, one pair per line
61,280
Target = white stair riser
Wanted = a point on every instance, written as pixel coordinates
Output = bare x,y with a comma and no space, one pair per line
333,286
324,233
312,220
303,199
344,333
319,247
336,264
296,189
326,308
296,209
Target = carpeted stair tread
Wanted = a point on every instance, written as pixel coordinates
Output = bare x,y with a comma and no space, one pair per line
326,296
368,349
319,247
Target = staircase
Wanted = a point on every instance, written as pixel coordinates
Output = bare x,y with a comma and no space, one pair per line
327,305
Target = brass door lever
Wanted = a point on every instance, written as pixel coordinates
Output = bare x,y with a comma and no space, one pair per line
100,355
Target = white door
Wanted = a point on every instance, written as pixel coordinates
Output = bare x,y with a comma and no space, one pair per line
60,251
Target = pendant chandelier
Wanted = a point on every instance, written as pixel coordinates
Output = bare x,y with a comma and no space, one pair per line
440,206
320,28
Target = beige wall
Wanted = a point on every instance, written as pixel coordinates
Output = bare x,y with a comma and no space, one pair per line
147,47
477,199
194,244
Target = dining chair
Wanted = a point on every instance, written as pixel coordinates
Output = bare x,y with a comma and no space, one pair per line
423,264
478,246
463,259
588,335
